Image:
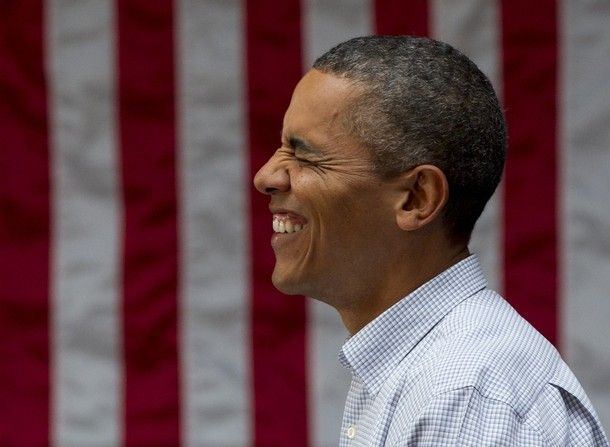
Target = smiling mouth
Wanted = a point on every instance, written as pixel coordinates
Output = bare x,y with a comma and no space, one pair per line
285,223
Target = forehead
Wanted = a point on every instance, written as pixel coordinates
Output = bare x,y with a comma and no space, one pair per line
318,102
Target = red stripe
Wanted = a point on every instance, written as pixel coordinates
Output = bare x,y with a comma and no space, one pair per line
24,228
278,321
150,245
396,17
529,42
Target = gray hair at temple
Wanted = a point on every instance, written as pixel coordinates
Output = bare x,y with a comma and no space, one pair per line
424,102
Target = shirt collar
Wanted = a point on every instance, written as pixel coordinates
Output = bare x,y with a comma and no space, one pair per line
374,351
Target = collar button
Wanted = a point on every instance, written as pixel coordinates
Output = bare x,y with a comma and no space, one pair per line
351,432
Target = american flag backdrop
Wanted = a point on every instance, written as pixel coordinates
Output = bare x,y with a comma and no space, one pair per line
136,307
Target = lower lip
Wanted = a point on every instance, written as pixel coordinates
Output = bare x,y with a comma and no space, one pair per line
279,239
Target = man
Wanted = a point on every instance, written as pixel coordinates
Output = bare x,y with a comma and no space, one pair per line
391,146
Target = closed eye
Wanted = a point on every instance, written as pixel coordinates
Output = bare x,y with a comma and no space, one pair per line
304,163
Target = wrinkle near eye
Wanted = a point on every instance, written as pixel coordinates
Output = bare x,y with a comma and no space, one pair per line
347,166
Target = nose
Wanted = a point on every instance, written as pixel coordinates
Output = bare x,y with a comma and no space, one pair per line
272,177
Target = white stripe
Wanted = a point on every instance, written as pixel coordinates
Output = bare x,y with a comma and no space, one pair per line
325,24
86,378
212,173
472,26
584,47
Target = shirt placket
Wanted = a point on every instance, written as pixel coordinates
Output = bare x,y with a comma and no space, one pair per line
355,405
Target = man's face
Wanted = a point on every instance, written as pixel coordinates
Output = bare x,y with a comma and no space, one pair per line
332,219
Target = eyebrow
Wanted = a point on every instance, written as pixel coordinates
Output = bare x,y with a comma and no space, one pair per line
297,143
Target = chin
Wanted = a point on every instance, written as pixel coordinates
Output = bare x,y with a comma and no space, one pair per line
288,285
283,285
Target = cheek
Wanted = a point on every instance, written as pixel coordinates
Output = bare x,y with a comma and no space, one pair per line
339,210
318,197
366,220
345,224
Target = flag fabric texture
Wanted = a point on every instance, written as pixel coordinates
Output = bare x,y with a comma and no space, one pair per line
136,307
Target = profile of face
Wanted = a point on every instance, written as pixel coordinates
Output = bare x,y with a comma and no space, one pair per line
333,217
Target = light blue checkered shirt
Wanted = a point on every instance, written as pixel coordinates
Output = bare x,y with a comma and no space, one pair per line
454,364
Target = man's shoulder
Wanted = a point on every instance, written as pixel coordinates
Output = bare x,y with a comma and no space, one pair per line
483,373
486,345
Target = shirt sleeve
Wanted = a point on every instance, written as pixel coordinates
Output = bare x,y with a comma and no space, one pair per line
464,417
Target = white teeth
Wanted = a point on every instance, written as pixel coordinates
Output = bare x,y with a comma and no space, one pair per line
281,226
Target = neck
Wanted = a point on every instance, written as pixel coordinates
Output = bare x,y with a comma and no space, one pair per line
372,299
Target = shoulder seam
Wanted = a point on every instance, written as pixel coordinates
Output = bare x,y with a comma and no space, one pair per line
460,431
522,419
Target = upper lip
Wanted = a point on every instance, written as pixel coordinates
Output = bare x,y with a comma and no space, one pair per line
280,210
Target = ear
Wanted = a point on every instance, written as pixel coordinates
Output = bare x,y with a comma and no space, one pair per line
425,192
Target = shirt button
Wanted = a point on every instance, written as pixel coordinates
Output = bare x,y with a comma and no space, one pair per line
351,432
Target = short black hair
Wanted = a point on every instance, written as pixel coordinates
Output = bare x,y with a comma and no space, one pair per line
424,102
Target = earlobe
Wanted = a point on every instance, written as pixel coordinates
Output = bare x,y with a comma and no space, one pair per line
425,192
